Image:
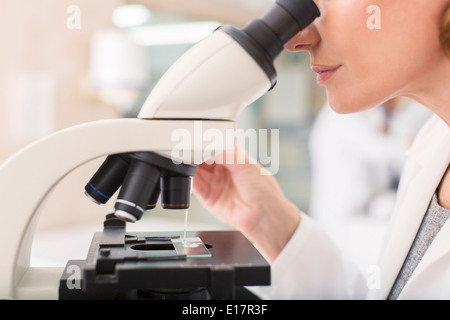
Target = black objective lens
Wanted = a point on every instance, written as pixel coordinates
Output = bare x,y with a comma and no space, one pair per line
137,188
175,192
108,178
151,203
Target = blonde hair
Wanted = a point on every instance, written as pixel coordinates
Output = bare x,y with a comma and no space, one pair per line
445,31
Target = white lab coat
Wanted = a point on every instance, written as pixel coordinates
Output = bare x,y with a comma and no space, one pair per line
353,167
312,267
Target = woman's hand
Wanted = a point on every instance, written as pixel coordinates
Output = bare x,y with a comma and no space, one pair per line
245,198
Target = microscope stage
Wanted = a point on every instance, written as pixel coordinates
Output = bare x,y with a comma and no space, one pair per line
120,262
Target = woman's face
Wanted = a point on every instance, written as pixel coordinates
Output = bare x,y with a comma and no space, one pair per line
368,51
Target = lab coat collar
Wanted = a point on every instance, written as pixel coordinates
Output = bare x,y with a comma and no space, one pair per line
428,159
434,133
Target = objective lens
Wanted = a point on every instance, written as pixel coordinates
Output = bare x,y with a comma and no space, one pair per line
108,179
175,192
151,203
137,189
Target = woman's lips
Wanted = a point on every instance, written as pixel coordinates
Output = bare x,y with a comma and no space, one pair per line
324,72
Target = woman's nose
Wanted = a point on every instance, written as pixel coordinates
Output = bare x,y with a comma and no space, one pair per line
304,40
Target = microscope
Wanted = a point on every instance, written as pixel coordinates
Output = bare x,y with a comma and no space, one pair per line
206,88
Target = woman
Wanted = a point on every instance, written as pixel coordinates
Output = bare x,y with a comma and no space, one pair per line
360,67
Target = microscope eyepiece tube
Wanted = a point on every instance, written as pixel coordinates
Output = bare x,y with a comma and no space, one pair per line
264,38
175,192
282,22
137,188
108,178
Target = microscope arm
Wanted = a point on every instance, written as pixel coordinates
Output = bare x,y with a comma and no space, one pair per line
37,168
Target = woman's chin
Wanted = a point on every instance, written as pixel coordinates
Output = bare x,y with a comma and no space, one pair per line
346,105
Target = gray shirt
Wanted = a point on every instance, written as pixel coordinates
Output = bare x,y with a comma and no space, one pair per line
434,219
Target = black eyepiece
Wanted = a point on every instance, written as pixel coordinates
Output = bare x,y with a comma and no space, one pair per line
264,38
282,22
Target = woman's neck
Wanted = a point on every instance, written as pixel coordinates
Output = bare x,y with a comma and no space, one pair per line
434,93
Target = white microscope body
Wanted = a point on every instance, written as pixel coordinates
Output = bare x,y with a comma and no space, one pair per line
211,83
27,178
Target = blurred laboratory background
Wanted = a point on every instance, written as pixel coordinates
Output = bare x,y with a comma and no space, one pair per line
67,62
